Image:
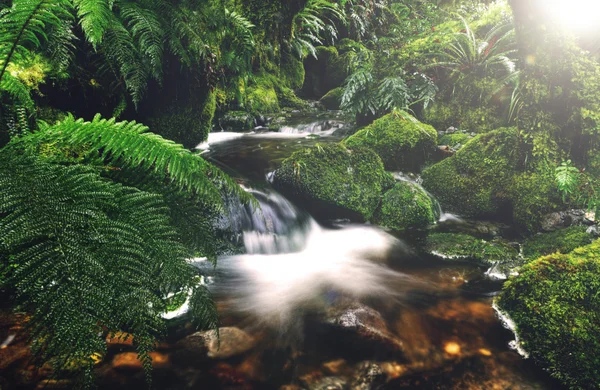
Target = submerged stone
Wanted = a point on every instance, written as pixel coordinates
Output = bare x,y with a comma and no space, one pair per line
453,246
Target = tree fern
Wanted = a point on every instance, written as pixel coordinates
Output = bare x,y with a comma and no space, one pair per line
94,17
310,24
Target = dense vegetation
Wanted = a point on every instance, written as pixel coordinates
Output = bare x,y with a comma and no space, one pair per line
98,213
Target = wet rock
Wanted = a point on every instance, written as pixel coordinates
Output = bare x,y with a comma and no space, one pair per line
451,130
55,384
594,230
369,376
119,339
329,383
128,361
233,342
227,377
360,328
237,121
12,354
561,219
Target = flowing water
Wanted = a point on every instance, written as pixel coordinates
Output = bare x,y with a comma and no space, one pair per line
335,305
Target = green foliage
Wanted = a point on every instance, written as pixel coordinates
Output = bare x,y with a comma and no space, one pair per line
400,140
94,17
567,178
310,25
89,256
333,176
454,139
452,246
561,241
406,206
554,304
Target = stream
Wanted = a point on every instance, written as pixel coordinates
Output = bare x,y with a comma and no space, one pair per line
318,304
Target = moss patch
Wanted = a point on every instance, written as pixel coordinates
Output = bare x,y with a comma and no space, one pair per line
473,182
561,241
401,141
333,99
406,206
335,176
454,140
554,304
452,246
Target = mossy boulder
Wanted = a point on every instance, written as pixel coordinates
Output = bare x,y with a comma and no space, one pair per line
473,182
561,241
261,97
237,121
555,306
405,206
186,120
455,246
333,99
334,181
292,71
454,140
400,140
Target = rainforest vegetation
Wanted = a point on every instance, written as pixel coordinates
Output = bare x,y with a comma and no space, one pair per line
488,110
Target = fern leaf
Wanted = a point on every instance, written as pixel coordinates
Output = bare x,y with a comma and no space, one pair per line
94,17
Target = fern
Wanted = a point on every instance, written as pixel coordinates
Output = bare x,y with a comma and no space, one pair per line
131,145
94,17
567,178
310,24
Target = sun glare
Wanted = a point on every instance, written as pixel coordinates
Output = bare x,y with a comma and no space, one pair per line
576,15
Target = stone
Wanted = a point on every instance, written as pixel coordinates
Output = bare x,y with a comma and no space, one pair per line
369,376
128,361
329,383
233,342
12,354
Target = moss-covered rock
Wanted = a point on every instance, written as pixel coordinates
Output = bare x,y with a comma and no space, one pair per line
473,182
237,121
561,241
292,72
555,306
400,140
261,97
454,140
334,180
187,121
453,246
333,99
406,206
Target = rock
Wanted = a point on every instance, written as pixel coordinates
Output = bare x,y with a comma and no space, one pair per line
450,130
233,342
406,206
237,121
55,384
402,142
128,361
562,241
562,219
329,383
332,99
369,376
332,181
360,328
554,304
13,354
120,339
594,230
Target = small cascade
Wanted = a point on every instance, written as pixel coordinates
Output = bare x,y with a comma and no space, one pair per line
442,216
323,127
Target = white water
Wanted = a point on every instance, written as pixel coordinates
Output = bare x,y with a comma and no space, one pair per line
292,263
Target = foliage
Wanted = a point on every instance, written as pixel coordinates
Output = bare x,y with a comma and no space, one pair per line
567,178
400,140
406,206
561,241
310,25
554,304
342,181
90,256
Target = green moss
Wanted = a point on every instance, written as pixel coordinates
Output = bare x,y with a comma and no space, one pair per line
452,246
333,175
187,122
406,206
333,99
453,140
261,98
533,195
554,304
560,241
473,182
345,45
401,141
287,98
292,72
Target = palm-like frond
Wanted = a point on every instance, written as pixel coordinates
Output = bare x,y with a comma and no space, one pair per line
310,24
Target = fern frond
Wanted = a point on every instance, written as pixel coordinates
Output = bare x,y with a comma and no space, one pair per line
17,91
130,144
94,17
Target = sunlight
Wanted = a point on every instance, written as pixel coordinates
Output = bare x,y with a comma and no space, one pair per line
575,15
